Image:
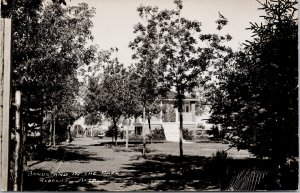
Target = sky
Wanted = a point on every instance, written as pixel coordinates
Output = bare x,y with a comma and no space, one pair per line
114,19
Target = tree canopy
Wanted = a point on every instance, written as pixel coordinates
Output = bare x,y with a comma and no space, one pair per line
110,93
49,42
173,45
257,96
48,46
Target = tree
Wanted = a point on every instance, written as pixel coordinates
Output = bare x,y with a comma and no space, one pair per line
49,42
92,118
46,53
147,72
257,94
69,108
107,93
180,57
55,56
133,102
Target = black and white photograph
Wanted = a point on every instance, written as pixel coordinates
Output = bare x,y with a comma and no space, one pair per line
149,95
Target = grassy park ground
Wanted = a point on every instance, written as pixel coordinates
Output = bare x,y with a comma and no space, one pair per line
96,165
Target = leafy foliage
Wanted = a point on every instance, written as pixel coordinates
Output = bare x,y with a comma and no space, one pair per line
158,134
172,43
135,137
93,118
169,114
147,73
112,93
187,134
218,134
111,131
257,96
49,42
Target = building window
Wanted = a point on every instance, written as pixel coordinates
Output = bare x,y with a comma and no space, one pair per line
138,130
187,108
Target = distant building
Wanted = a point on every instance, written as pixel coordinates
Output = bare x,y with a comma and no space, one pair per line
168,118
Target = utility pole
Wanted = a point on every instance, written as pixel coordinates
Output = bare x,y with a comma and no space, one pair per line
5,100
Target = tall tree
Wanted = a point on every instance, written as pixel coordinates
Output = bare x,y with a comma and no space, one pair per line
107,93
257,96
45,52
180,57
69,108
147,74
49,42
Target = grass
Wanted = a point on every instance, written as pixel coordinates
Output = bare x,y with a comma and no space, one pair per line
161,169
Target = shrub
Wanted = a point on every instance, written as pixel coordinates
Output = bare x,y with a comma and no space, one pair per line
201,138
187,134
110,131
158,134
97,132
219,167
135,137
216,133
220,155
200,126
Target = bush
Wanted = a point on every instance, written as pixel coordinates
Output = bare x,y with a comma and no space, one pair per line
110,131
97,132
219,167
200,138
220,155
187,134
200,126
216,133
158,134
135,137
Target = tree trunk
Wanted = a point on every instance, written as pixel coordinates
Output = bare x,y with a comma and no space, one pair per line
24,166
144,137
51,132
180,127
17,161
150,131
144,143
77,128
69,134
278,154
42,119
127,137
115,132
18,148
54,127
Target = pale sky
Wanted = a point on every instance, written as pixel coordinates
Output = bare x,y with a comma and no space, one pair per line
114,19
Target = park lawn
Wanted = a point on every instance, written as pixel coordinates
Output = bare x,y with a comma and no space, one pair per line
101,166
199,149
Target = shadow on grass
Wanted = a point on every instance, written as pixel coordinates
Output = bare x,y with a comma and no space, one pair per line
196,173
66,153
171,173
161,172
121,147
122,143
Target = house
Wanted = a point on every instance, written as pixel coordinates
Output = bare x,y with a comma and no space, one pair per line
168,118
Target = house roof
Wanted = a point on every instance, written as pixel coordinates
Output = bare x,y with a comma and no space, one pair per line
171,96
